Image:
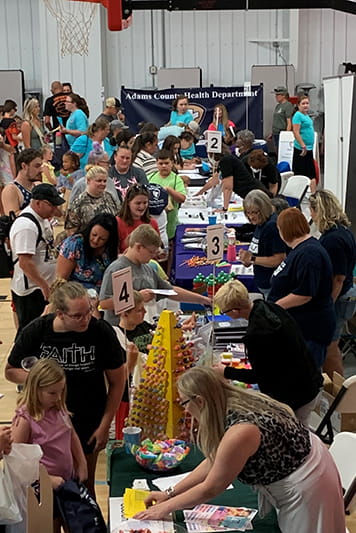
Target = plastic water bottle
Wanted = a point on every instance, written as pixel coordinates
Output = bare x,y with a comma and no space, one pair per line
58,139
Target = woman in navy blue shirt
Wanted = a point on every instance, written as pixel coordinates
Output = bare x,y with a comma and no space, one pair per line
303,282
267,250
339,242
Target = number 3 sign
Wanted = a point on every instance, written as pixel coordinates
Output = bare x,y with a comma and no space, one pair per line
214,141
123,290
215,242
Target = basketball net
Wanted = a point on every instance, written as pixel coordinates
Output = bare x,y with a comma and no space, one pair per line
74,20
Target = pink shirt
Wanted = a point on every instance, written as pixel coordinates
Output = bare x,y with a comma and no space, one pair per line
54,434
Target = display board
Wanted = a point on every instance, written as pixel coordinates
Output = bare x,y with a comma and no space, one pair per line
271,76
12,86
179,77
340,142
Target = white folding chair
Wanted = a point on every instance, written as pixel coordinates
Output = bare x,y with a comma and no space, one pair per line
343,450
295,190
284,179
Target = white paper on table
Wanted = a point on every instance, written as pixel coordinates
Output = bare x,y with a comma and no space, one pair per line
164,482
164,292
119,524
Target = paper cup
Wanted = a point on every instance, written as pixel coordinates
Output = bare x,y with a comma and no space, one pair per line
212,220
132,435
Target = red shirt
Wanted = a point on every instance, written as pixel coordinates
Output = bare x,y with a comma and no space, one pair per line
125,230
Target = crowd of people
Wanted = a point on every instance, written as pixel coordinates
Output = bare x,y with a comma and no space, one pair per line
117,195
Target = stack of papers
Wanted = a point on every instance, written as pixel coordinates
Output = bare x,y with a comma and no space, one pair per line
209,518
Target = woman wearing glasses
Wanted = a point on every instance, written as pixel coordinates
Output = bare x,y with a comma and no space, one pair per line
84,257
267,250
248,436
281,364
134,211
77,123
75,339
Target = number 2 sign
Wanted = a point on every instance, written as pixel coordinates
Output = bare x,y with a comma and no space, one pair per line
214,141
123,290
215,242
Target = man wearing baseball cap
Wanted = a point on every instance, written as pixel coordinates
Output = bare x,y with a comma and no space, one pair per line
31,240
112,108
282,114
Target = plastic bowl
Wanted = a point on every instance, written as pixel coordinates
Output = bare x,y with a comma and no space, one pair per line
161,456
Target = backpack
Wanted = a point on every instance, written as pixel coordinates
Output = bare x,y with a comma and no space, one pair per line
6,261
158,198
78,509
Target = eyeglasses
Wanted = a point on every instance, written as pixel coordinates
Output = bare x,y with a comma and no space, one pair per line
228,310
79,316
152,252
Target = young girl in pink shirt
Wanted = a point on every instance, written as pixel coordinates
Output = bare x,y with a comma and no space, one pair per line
42,418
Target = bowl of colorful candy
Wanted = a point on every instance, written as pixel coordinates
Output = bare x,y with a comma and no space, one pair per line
161,455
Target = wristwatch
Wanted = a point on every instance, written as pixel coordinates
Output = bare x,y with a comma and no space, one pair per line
170,492
225,209
253,259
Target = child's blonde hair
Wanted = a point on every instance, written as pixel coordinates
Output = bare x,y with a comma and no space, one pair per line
44,373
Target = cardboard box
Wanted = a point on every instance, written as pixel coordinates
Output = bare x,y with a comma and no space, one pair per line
344,416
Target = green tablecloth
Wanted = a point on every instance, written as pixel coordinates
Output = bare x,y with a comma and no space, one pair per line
124,469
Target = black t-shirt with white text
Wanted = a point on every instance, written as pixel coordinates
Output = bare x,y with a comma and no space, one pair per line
84,356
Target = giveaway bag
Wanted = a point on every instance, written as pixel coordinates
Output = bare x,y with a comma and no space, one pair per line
78,509
9,510
22,464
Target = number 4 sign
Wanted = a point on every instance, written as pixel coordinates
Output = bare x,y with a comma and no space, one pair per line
215,242
123,290
214,141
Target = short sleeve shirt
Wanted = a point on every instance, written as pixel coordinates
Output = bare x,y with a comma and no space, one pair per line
243,182
281,113
265,243
307,271
306,130
85,207
76,121
340,244
84,356
143,277
88,272
123,181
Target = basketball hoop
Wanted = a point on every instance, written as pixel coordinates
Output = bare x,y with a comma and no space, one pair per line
75,19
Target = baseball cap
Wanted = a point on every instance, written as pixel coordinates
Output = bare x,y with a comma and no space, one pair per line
112,102
118,124
194,127
46,191
280,89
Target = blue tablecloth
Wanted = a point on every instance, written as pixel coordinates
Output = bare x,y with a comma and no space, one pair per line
184,275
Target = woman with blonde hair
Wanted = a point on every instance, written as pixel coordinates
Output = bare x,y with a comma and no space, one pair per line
31,129
221,120
292,379
267,250
89,353
94,200
339,241
290,467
